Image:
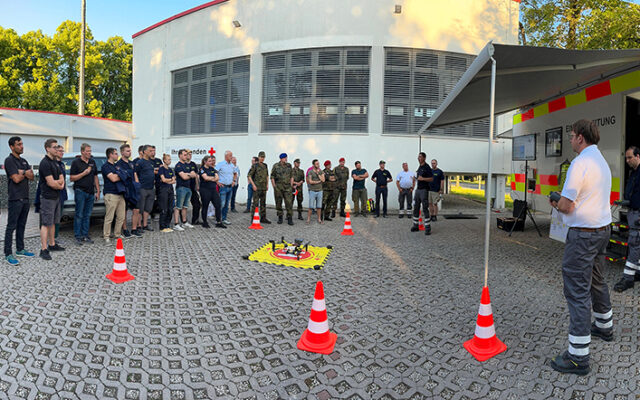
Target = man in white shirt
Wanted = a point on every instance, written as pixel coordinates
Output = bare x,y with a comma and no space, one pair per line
406,182
586,210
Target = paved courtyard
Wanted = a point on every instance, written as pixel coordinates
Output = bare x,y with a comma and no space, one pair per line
199,322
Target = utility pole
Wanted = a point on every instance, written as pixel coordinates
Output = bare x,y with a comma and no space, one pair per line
81,80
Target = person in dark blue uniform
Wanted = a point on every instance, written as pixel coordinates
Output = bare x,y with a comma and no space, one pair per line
209,190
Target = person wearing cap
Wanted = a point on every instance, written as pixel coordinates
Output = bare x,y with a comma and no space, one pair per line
298,181
228,179
315,179
259,180
381,177
342,176
282,181
424,176
359,190
328,191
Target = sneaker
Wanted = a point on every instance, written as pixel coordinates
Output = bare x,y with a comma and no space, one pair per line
233,210
12,260
107,240
623,284
415,228
167,230
44,254
178,228
226,222
187,225
562,363
221,225
265,221
126,233
606,335
55,247
247,211
206,225
79,241
24,253
136,233
87,239
148,228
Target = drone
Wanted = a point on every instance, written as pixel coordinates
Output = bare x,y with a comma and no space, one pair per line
294,249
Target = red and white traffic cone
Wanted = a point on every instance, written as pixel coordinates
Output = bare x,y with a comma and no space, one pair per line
119,274
317,338
485,344
256,220
420,222
347,231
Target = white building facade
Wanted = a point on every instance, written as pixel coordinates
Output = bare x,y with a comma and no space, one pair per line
317,80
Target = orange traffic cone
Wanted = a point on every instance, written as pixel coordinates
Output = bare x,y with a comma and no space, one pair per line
119,273
256,220
420,222
346,231
317,338
485,344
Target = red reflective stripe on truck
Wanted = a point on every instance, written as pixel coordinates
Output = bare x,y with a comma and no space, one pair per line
599,90
557,104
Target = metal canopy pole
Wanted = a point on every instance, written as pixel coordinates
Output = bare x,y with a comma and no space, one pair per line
489,174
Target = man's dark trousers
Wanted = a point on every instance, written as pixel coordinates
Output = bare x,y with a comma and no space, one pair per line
584,288
195,203
18,211
381,191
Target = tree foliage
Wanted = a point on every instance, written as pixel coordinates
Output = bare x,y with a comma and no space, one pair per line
41,72
580,24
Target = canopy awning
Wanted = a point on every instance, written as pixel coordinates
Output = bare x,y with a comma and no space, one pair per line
526,76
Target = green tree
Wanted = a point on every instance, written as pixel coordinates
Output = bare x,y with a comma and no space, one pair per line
42,73
580,24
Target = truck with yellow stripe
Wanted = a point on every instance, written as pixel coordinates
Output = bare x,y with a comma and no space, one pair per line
613,104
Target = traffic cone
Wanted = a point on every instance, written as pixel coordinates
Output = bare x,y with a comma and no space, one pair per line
485,344
420,222
119,274
317,338
256,220
346,231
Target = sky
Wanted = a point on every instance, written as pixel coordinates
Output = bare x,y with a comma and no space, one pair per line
105,18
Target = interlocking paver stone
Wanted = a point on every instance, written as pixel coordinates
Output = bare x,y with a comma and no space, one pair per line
199,322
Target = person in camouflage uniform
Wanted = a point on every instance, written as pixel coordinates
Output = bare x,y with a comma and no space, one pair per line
328,191
298,182
259,180
342,176
282,180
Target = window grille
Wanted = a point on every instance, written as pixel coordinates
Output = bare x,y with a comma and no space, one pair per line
211,98
416,82
316,90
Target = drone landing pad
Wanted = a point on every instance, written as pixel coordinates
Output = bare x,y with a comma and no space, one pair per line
309,258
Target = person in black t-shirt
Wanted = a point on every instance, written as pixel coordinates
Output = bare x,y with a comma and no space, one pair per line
145,170
126,165
381,177
19,173
195,187
86,189
209,191
436,188
51,184
421,196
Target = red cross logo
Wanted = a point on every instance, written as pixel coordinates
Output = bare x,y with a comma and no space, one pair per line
212,151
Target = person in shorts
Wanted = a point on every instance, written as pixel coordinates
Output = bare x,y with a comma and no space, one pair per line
315,179
51,184
184,176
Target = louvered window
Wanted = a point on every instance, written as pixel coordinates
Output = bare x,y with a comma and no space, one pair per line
416,82
211,98
319,90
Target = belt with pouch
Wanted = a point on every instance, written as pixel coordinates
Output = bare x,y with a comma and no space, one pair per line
602,228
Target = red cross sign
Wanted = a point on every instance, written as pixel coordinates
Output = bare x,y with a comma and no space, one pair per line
212,151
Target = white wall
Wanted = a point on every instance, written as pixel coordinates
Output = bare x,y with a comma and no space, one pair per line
70,130
463,26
